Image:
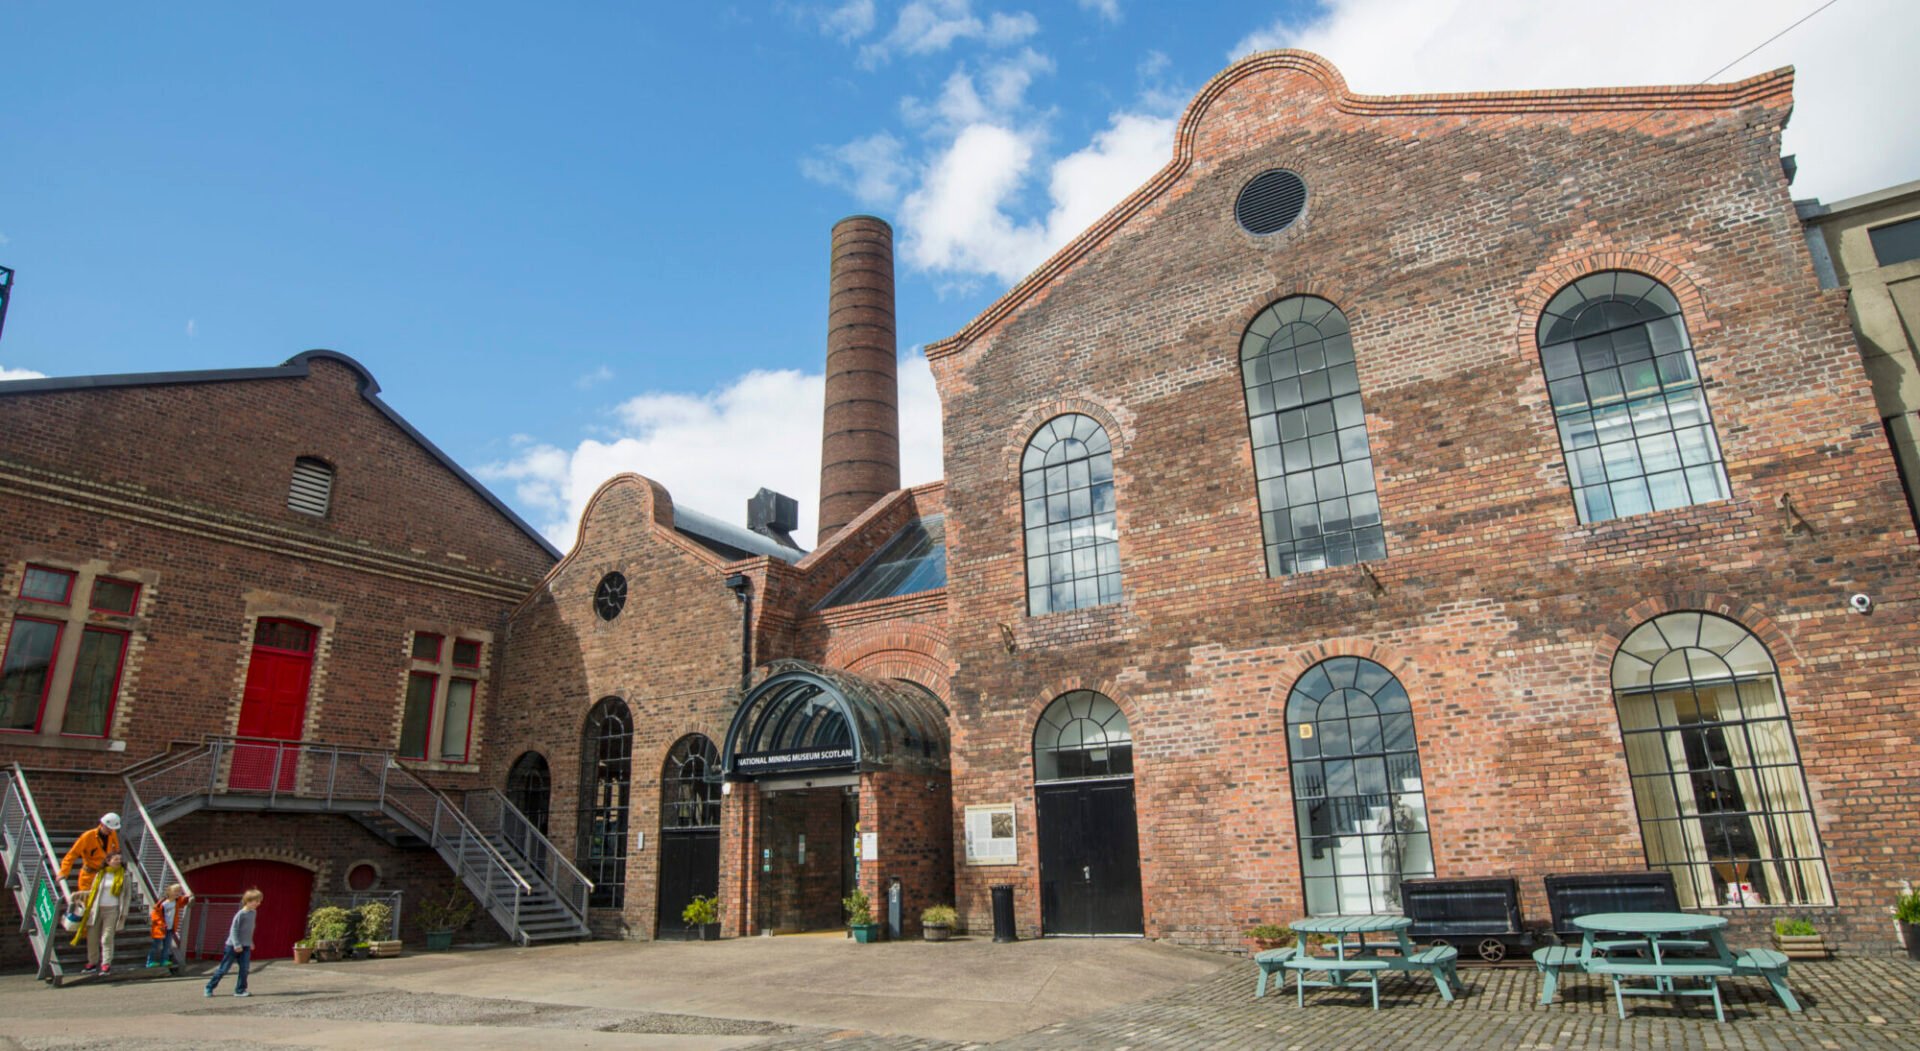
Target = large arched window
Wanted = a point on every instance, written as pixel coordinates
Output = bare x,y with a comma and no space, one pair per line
605,781
1716,777
1359,802
530,788
1082,734
690,785
1311,458
1073,549
1626,395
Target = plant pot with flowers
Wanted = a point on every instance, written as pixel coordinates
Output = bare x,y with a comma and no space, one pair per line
303,951
1799,939
376,924
1265,936
937,922
1906,912
860,917
327,931
703,914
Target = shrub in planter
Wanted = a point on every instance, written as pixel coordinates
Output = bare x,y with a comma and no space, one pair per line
1906,912
376,921
303,951
439,918
860,917
328,930
1264,936
703,913
1799,939
937,922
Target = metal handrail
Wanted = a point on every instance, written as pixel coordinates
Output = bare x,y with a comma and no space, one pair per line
441,805
29,851
151,841
517,829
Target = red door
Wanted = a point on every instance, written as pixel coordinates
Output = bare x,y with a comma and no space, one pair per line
282,919
274,705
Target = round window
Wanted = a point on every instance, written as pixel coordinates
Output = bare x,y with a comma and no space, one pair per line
611,596
1271,202
363,877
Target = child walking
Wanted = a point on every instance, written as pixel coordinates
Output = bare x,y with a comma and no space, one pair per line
164,921
101,914
239,943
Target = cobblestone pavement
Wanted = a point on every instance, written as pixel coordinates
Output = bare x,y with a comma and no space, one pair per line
455,1010
1848,1004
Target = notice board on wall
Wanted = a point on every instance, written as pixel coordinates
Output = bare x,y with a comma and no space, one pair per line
990,835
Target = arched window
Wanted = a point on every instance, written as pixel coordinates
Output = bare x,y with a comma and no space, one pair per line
1716,776
1626,396
606,780
1073,549
1082,734
690,785
530,787
1360,805
1311,458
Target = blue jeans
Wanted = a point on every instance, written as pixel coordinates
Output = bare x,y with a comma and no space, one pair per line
161,951
245,956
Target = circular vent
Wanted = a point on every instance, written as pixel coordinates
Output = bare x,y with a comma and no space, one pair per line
1271,202
611,596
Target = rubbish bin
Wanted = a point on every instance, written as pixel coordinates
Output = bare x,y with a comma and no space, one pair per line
1003,914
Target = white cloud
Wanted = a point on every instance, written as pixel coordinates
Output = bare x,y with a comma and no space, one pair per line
995,95
929,26
1856,93
1108,10
849,21
19,374
713,451
599,375
872,169
193,328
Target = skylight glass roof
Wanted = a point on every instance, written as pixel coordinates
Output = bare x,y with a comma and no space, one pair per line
914,560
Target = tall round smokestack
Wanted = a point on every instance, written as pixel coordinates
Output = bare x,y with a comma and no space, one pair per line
860,449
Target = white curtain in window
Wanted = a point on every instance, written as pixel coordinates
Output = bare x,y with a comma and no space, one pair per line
453,728
1768,771
1663,793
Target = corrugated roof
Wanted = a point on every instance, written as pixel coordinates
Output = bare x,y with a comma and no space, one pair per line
730,541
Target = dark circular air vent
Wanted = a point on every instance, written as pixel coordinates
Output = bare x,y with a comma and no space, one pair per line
611,596
1271,202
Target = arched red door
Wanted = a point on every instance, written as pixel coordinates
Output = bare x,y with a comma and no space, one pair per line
283,916
274,704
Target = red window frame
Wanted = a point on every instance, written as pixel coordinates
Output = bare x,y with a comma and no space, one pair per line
119,672
426,734
439,646
473,702
65,600
133,606
46,688
477,650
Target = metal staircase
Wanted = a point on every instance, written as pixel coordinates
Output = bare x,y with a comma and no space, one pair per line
515,873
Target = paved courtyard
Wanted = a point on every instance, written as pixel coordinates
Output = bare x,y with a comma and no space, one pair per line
825,994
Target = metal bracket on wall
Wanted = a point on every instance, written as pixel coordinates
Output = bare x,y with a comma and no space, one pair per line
1374,583
1791,520
1006,638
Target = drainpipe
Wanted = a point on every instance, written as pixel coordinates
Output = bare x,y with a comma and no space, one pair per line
742,589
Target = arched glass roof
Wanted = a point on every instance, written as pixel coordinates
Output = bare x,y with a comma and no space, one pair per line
805,717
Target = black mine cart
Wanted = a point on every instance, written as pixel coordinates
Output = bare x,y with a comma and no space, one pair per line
1480,916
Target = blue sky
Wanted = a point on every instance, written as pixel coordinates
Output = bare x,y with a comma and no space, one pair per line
575,239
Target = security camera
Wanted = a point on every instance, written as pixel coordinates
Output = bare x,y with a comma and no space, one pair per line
1861,603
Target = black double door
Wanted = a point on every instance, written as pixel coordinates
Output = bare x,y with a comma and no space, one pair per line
1089,858
689,867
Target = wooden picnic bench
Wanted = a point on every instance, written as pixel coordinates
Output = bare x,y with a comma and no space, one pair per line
1358,963
1594,956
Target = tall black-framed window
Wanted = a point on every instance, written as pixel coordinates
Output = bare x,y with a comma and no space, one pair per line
530,787
1627,399
1073,539
690,785
1717,783
1360,805
1312,462
606,782
1081,735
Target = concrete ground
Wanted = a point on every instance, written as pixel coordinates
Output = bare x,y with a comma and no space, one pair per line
825,994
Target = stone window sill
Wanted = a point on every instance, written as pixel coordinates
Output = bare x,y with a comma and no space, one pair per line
74,744
438,767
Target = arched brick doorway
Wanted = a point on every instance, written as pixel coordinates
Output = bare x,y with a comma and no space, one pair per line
283,915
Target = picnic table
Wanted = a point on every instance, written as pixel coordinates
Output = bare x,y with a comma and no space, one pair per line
1653,937
1359,962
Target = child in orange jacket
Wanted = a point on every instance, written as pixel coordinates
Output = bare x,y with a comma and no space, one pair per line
164,919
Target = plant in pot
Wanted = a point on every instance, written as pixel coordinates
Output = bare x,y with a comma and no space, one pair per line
440,918
303,951
327,927
860,917
1264,936
937,922
376,924
1799,939
703,913
1906,912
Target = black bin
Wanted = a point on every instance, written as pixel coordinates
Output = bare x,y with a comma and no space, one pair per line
1003,914
1480,917
1585,893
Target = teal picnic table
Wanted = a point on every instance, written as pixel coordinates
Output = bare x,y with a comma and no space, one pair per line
1357,962
1653,936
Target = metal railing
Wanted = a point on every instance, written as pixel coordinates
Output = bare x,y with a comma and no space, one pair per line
140,845
31,871
502,890
390,898
494,812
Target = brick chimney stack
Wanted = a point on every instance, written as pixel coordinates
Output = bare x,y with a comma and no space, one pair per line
860,446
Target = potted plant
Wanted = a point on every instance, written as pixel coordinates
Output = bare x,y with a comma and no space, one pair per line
1906,911
1264,936
327,928
1799,939
937,922
376,923
703,913
439,919
860,917
1316,944
303,950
